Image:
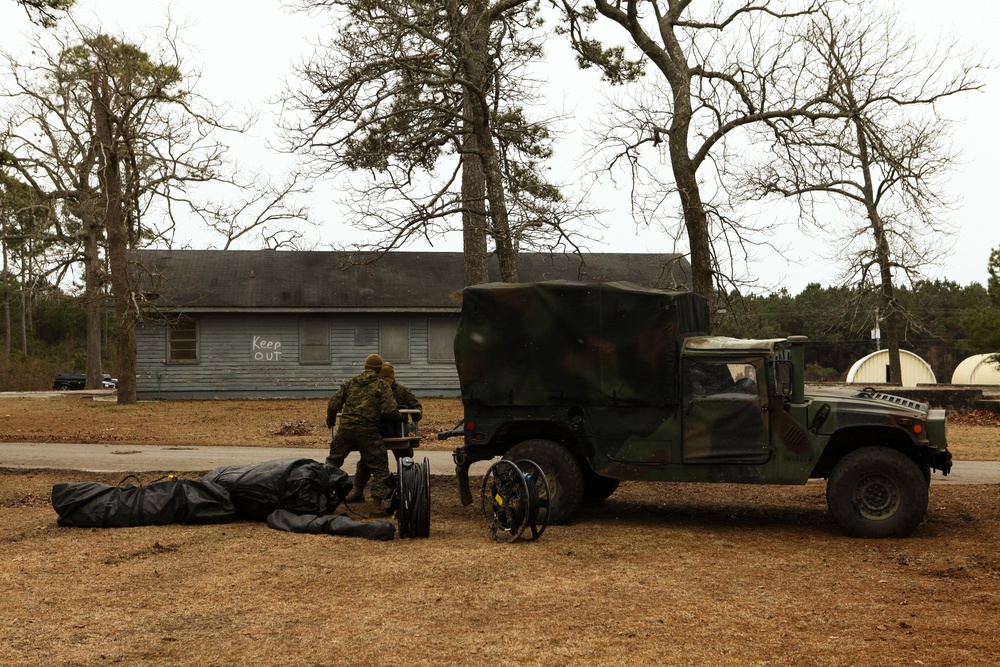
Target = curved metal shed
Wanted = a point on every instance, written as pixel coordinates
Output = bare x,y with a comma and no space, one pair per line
875,368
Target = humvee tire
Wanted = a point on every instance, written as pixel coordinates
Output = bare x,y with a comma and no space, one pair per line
877,492
562,471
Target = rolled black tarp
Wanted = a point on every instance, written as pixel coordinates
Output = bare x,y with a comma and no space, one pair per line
331,524
301,486
94,505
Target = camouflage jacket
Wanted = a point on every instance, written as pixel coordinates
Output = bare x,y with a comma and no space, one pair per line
406,400
363,401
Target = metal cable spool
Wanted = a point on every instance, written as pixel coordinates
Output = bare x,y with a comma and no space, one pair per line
514,495
414,512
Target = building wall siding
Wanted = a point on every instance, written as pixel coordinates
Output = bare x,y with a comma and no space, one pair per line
249,355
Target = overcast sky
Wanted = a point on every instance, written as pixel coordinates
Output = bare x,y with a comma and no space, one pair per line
246,48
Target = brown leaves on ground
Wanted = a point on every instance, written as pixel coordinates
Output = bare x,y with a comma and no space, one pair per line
977,417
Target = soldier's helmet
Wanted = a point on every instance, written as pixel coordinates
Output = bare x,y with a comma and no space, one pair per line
373,361
388,373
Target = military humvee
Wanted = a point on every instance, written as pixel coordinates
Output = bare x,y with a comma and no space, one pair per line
599,383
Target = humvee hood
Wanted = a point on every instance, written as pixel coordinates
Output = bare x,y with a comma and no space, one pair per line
868,401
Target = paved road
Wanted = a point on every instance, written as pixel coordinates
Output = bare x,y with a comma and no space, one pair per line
142,458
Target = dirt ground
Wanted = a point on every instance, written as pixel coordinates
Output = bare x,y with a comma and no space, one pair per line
659,574
70,417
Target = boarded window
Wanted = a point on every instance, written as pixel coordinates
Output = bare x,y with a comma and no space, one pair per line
314,342
441,340
364,336
394,341
182,342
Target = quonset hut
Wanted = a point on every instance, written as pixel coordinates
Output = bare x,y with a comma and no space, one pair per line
977,369
874,369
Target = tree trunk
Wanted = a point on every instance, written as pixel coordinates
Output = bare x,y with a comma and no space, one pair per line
473,211
671,60
892,335
505,247
887,299
477,68
110,177
24,307
92,302
887,296
695,219
6,301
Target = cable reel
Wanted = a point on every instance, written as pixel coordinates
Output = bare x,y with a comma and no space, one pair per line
515,498
410,500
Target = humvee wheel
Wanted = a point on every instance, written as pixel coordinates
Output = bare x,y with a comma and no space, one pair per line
877,492
562,470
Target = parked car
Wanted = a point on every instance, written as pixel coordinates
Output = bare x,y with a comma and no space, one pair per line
68,381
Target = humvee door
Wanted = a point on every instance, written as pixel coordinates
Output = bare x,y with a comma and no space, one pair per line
725,416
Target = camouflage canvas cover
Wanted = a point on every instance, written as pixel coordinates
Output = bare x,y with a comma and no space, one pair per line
563,342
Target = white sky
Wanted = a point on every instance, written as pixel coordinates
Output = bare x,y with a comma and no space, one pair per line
246,49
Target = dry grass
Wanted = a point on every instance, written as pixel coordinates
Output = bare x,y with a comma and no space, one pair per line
248,423
275,423
659,574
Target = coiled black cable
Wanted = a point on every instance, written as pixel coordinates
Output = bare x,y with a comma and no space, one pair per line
414,519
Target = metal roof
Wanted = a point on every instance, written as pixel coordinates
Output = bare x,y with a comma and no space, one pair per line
270,280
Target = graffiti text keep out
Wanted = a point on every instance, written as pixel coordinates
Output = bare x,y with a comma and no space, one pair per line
266,350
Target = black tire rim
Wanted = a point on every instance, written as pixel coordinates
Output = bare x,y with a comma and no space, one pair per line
876,497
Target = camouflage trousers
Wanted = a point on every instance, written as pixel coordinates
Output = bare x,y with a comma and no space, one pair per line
362,475
373,456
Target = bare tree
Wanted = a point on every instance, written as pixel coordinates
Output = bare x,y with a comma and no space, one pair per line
883,164
423,102
727,66
107,129
261,212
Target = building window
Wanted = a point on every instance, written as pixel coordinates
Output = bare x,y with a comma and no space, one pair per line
182,341
364,337
394,341
314,342
441,340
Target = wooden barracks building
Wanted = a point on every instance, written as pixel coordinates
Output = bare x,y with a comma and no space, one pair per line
277,324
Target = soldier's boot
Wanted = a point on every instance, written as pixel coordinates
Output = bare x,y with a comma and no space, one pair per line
361,478
356,495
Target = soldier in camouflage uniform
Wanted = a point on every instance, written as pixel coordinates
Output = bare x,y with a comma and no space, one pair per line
404,400
363,402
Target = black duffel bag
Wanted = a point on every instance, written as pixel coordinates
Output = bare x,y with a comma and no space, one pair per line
330,524
165,501
302,486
